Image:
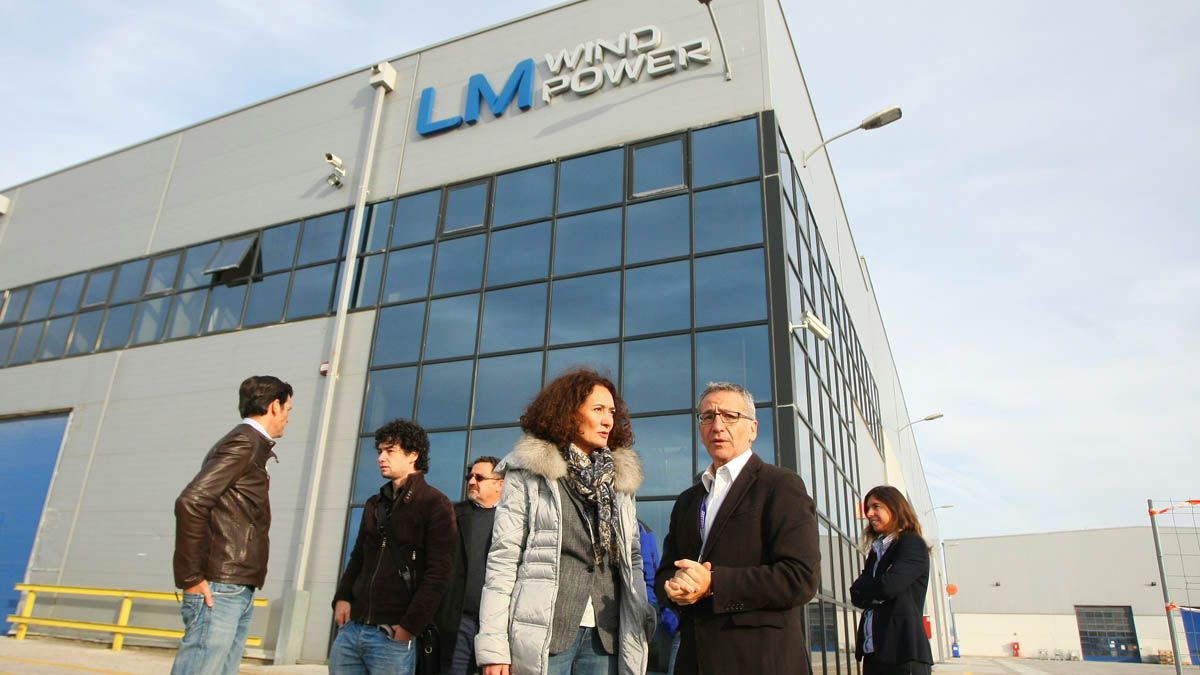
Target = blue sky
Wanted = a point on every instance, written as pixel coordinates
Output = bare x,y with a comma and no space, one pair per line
1030,225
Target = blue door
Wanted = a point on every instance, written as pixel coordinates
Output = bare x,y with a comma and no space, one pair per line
1191,628
28,452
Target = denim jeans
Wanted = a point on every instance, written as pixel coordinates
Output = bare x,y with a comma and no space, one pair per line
674,652
213,639
366,650
585,656
462,661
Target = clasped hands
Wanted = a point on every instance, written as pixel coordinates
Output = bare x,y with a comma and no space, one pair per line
692,581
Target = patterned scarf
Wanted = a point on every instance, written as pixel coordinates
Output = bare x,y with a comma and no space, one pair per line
592,479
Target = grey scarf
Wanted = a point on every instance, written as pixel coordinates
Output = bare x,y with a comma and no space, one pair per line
592,479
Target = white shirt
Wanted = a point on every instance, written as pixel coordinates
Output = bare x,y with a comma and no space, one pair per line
718,483
257,427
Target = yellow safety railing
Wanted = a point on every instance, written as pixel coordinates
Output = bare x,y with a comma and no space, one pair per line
119,629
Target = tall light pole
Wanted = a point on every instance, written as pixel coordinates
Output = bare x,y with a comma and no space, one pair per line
880,119
928,418
939,588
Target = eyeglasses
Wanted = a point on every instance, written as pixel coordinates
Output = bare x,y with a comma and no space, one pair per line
727,416
479,478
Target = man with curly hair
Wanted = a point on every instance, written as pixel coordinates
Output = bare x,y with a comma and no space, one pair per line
400,565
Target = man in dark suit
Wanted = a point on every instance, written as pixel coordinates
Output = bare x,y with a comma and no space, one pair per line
741,557
221,522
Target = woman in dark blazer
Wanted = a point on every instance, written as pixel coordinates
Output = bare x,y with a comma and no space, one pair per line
891,635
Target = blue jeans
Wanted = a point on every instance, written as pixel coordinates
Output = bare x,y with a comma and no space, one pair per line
462,662
213,639
585,656
674,652
366,650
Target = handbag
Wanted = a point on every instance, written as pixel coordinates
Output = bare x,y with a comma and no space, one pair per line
429,652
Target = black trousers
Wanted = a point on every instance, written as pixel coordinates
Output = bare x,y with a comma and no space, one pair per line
872,666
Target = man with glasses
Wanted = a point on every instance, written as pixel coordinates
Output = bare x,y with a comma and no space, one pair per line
399,568
458,618
741,557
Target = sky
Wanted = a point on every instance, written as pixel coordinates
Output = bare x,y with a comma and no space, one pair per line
1030,225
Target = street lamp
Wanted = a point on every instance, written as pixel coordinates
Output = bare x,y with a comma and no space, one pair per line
943,506
928,418
882,118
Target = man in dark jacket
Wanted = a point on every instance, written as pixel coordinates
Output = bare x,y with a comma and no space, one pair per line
458,618
221,522
399,568
741,556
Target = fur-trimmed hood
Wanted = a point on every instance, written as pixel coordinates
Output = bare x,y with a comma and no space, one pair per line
543,459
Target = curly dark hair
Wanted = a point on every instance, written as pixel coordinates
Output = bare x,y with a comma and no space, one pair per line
554,414
408,435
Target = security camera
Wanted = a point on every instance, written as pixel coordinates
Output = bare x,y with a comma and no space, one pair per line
813,324
335,162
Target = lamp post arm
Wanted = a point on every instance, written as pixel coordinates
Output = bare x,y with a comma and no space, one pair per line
720,42
808,155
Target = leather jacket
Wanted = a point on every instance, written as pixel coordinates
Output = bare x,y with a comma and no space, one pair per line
223,516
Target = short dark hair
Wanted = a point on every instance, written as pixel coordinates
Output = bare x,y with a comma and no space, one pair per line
257,392
407,435
554,414
487,459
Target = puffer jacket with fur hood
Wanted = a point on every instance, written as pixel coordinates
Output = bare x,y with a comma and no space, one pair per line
521,584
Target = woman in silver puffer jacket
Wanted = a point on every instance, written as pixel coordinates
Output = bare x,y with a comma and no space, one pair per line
564,590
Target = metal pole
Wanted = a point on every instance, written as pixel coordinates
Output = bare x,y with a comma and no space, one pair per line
1162,576
296,603
720,43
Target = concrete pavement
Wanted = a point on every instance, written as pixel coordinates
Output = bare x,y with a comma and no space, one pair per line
51,656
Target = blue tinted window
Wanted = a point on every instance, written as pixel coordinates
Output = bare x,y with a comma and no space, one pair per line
658,298
379,223
352,527
588,242
85,333
459,265
370,275
312,291
729,216
389,395
267,296
657,516
118,322
322,238
416,218
129,281
398,337
452,324
54,339
594,180
407,274
466,206
7,335
493,442
514,318
657,229
505,385
195,261
445,394
39,300
725,152
600,358
586,308
279,247
14,307
447,463
98,286
225,307
658,167
524,195
739,355
187,313
162,274
26,343
69,290
657,374
519,254
367,480
665,447
730,288
151,318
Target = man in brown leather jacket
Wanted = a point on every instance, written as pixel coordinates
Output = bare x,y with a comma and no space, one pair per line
221,523
400,565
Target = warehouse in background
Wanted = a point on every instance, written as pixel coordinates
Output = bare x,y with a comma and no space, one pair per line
434,237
